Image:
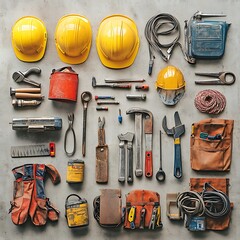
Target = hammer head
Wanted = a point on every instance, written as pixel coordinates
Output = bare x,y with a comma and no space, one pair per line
126,137
148,128
139,110
94,82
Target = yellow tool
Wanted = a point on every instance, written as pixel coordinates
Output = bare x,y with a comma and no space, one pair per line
131,217
159,222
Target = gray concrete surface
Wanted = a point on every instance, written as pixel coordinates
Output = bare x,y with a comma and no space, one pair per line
50,12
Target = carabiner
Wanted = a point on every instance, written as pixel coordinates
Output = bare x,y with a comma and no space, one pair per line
70,128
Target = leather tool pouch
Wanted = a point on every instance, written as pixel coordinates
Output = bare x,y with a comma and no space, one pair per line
63,85
108,208
101,158
142,199
221,184
211,145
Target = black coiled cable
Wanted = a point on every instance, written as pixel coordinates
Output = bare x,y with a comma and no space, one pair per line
161,25
210,201
217,203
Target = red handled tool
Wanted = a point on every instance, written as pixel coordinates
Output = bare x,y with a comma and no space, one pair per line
148,131
144,87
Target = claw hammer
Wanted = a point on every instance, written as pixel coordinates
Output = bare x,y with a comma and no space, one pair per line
147,116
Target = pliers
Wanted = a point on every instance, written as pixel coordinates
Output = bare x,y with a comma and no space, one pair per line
221,78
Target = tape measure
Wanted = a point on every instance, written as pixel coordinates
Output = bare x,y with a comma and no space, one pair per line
76,211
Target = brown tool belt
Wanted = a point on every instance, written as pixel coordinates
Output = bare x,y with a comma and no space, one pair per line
211,145
142,210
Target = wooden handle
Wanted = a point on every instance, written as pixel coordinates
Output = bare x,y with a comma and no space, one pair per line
28,95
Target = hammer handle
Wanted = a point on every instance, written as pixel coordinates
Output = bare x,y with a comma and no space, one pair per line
148,164
28,95
27,90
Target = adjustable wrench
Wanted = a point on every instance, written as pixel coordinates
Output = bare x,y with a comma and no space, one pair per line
176,132
22,76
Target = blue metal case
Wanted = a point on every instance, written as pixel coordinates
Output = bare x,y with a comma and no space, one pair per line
207,39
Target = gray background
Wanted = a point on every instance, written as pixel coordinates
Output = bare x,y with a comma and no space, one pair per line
50,11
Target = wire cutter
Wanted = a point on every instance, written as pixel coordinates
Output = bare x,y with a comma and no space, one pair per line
221,78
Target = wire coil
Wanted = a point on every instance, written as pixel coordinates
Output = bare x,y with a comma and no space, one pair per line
217,203
161,25
211,202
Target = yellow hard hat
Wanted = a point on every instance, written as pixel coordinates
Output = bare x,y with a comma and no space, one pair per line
117,41
73,38
170,85
29,39
170,78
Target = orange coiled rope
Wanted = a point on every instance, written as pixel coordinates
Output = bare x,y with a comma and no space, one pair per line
210,101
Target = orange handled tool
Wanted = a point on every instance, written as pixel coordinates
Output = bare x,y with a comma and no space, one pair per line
144,87
148,130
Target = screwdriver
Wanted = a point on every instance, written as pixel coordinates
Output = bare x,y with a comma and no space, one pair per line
120,116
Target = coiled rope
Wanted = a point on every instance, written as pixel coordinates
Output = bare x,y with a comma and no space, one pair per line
210,101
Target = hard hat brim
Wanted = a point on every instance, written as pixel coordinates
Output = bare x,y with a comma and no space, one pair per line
118,65
29,58
74,60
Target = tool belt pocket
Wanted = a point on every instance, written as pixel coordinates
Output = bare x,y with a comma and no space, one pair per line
211,145
142,210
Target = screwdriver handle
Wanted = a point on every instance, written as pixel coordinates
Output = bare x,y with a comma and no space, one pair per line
24,90
143,87
126,86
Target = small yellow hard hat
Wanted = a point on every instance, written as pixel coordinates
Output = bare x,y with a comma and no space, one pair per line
73,38
117,41
170,78
170,85
29,39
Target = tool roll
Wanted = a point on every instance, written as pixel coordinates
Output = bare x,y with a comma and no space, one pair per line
29,194
220,184
108,208
142,210
211,145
